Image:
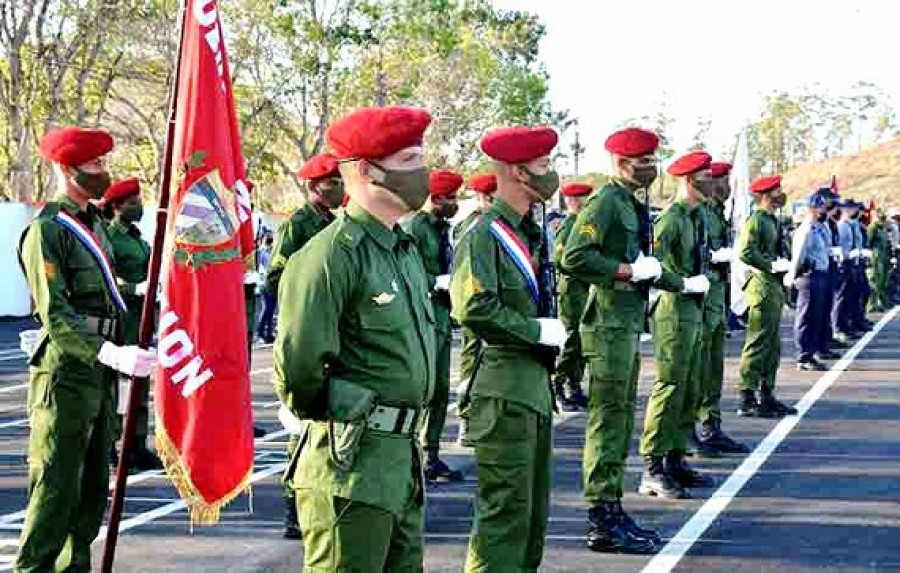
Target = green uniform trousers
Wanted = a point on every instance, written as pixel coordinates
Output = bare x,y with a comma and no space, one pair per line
344,536
673,400
572,300
437,408
710,368
762,343
513,446
878,274
70,409
614,366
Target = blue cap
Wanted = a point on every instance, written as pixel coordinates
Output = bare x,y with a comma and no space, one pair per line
816,201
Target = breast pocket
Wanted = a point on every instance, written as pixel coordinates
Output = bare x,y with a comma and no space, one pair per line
382,315
86,275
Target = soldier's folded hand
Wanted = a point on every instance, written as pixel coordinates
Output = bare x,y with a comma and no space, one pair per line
140,289
723,255
696,285
645,268
854,254
837,253
130,360
788,280
553,333
781,266
289,421
442,282
867,253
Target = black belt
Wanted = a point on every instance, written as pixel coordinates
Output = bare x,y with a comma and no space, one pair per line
102,325
440,297
395,420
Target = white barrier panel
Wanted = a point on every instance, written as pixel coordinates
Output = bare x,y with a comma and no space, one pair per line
14,297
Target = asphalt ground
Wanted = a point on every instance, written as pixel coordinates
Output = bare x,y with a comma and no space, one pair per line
820,492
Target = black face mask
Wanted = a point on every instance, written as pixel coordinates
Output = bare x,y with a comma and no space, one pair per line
823,217
645,176
94,184
447,210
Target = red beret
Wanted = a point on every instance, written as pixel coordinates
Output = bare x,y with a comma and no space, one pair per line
519,144
632,142
122,189
74,146
443,182
376,132
719,168
486,183
766,184
250,185
690,164
345,200
319,167
576,189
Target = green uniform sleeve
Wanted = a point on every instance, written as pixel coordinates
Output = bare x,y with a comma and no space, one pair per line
417,228
667,232
584,256
285,245
313,291
44,268
562,235
750,252
474,292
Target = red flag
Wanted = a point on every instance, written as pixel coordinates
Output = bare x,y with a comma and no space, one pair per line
204,432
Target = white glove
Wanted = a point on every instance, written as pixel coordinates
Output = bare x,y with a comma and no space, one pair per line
140,289
781,265
867,253
28,339
854,254
442,282
788,280
553,333
289,421
644,268
723,255
837,253
251,278
698,284
129,360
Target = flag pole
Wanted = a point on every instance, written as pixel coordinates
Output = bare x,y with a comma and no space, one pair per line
147,323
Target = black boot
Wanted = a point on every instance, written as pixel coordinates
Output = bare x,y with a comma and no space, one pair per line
712,434
258,431
607,532
656,481
291,525
704,448
683,475
770,407
577,395
749,407
559,388
143,460
633,528
436,471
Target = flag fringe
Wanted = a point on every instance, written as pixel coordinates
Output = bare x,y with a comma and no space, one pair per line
202,512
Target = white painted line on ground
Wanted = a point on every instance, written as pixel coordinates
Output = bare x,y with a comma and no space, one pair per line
666,560
14,423
13,388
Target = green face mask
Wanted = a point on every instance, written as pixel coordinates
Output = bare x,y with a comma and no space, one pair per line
411,186
332,196
132,213
544,185
94,184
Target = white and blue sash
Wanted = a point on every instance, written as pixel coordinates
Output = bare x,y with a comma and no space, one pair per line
519,255
92,244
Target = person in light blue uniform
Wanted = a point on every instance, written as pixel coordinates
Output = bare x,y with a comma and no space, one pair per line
847,293
809,274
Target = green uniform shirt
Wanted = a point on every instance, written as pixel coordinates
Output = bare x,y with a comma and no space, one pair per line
354,306
65,280
717,235
290,237
465,224
572,292
675,243
426,230
759,245
607,233
132,254
490,296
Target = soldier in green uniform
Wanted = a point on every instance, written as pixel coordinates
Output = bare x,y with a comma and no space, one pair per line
608,248
573,295
679,241
507,408
66,258
760,247
712,439
326,193
122,208
879,267
431,231
483,186
354,355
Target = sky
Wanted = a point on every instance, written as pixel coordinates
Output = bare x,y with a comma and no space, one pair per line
610,61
